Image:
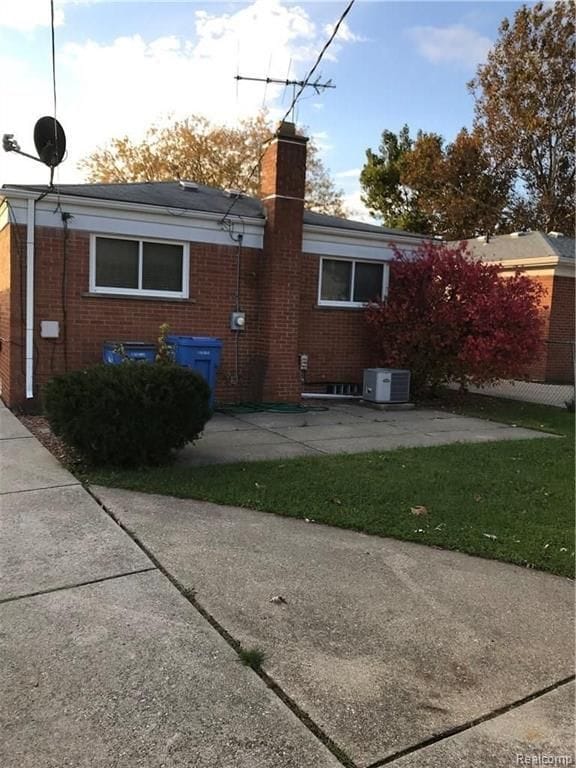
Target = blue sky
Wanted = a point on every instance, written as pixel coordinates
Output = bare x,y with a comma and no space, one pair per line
123,65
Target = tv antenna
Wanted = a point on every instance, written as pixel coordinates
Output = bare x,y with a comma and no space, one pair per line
316,85
49,140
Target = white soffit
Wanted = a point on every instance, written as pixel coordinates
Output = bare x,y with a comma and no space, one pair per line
117,218
332,241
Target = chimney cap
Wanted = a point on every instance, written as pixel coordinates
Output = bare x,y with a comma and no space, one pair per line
285,128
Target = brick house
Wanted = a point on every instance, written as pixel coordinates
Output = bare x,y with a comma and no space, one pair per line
114,261
550,260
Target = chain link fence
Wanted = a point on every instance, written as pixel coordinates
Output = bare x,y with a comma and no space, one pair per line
549,382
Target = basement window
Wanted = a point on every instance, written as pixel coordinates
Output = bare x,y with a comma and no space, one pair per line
351,282
132,267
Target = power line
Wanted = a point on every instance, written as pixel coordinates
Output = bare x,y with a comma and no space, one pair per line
304,84
53,38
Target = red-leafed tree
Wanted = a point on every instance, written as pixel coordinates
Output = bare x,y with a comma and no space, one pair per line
451,318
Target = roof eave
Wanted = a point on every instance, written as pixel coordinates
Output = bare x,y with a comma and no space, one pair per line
122,205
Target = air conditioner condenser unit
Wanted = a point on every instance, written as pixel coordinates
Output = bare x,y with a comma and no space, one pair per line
386,385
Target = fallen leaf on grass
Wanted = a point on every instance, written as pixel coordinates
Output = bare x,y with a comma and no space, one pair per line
477,497
419,511
490,536
278,600
336,501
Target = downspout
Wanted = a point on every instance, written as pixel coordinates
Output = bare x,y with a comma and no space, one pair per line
29,344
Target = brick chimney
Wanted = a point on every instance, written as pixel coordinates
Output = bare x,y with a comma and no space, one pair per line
282,182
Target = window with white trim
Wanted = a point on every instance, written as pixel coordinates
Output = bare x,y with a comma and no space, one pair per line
351,282
132,266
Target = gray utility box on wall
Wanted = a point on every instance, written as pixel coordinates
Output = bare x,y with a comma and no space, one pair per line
386,385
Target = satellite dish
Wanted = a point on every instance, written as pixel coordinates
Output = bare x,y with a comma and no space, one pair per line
50,141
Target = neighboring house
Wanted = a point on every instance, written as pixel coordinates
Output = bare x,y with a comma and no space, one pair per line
115,261
549,259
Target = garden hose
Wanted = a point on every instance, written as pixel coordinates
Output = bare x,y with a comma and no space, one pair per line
255,407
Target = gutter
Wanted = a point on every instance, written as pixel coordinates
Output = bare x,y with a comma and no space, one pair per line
122,205
29,331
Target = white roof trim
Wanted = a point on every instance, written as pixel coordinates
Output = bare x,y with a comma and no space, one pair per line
120,205
136,220
349,243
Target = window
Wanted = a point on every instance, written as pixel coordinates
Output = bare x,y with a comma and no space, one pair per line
138,267
350,283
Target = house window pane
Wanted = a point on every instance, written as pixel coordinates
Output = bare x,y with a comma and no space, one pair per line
367,281
336,278
116,263
162,267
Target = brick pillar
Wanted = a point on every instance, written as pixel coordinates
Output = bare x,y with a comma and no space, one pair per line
282,182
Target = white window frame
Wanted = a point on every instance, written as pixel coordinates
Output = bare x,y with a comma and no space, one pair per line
349,303
183,294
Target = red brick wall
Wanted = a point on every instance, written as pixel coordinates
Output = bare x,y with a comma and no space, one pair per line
560,360
12,318
91,320
335,340
283,173
5,317
555,363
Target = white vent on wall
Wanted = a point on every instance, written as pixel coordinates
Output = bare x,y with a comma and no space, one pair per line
386,385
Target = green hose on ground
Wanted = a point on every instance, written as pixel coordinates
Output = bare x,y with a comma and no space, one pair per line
253,407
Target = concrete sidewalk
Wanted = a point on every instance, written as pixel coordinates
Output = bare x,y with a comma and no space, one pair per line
341,428
387,645
104,662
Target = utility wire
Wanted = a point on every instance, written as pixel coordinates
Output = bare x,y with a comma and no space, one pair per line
294,100
53,38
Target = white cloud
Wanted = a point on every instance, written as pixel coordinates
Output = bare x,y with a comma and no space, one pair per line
356,208
322,141
455,43
26,15
121,87
352,173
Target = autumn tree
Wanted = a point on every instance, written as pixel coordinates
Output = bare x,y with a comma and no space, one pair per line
207,153
525,110
452,190
460,190
450,318
384,194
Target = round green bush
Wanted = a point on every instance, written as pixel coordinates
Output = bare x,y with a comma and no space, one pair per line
131,414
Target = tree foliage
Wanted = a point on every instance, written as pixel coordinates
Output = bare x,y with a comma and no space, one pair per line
459,189
448,317
452,190
207,153
384,193
515,169
525,109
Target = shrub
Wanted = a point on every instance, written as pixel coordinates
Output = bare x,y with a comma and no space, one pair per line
129,414
448,317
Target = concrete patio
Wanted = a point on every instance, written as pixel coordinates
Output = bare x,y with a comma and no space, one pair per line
341,428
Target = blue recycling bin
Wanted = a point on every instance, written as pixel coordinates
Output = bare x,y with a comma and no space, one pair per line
133,350
201,353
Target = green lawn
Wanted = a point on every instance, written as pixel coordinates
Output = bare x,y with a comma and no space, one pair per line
511,501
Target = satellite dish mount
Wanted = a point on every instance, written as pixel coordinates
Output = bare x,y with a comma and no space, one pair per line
49,140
